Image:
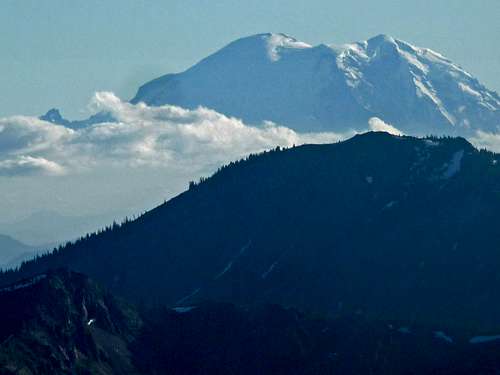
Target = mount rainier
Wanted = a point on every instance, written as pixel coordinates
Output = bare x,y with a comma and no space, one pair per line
276,78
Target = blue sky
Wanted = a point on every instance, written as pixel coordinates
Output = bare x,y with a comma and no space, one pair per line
57,53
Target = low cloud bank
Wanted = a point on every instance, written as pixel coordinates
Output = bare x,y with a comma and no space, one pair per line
28,165
490,141
165,136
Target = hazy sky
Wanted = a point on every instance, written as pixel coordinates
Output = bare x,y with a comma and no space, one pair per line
57,53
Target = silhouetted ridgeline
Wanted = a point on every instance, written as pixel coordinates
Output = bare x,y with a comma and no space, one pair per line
383,226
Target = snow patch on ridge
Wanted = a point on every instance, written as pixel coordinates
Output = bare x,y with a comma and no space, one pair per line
443,336
390,205
414,61
194,292
230,264
269,270
224,271
182,310
428,91
404,330
468,90
453,167
483,339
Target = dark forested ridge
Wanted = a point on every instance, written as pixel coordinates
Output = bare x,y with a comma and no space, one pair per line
63,323
382,226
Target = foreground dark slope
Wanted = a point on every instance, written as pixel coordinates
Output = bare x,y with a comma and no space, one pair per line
384,226
64,323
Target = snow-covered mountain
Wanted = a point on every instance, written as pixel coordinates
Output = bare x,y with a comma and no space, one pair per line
328,87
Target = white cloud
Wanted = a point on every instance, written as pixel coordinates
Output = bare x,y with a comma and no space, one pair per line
28,165
166,136
490,141
23,134
377,125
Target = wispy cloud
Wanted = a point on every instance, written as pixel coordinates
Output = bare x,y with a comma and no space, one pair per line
377,125
28,165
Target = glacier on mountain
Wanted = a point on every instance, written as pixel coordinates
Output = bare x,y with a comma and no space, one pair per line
274,77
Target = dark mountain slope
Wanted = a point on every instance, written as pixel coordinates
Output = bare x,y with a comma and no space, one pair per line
224,339
63,323
388,227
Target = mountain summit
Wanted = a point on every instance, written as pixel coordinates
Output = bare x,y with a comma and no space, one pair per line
332,87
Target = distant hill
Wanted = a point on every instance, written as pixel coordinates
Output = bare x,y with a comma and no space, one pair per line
64,323
47,228
382,226
13,252
54,116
